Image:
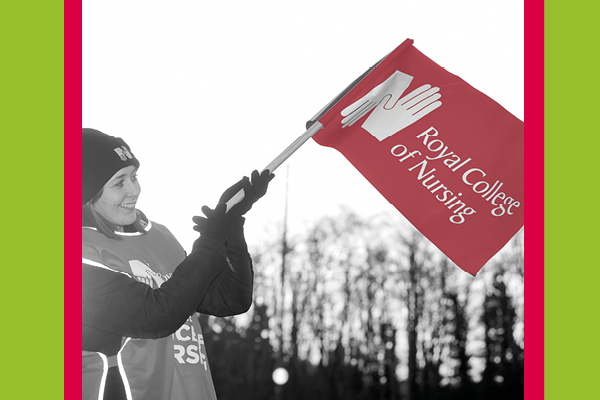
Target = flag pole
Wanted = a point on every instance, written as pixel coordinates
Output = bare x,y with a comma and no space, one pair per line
294,146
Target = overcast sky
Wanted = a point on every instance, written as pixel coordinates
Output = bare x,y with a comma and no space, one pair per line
205,91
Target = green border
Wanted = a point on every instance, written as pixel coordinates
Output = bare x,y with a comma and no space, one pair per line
572,270
32,194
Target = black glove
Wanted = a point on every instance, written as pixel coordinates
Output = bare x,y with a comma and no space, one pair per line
217,224
254,189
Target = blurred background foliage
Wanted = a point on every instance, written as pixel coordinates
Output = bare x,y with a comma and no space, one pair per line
366,308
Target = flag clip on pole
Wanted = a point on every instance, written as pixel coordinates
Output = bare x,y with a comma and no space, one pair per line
280,159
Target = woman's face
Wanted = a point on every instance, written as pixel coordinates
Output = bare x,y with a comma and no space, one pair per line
117,203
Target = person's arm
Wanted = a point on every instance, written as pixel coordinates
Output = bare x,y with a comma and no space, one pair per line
117,303
231,292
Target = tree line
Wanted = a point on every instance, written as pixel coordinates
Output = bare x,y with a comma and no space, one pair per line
366,308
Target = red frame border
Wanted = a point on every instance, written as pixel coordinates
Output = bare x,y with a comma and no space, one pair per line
534,195
72,188
534,192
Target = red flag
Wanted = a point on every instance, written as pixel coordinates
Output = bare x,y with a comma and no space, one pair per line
448,157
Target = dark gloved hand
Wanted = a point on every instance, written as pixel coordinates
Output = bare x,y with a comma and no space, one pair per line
254,189
217,224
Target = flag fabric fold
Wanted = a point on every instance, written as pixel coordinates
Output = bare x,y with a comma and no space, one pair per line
447,156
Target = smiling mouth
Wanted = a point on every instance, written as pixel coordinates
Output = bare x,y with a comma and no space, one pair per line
127,206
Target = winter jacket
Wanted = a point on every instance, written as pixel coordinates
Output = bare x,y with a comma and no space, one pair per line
140,295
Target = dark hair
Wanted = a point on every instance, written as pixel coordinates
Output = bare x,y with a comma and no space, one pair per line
103,225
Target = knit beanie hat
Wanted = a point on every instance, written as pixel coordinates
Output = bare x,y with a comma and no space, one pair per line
102,156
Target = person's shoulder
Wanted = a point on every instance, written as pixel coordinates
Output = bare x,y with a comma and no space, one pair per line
91,235
164,234
155,226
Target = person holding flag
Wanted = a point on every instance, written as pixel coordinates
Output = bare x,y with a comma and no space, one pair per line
141,338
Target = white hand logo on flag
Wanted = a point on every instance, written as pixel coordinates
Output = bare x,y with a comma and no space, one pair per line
392,115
